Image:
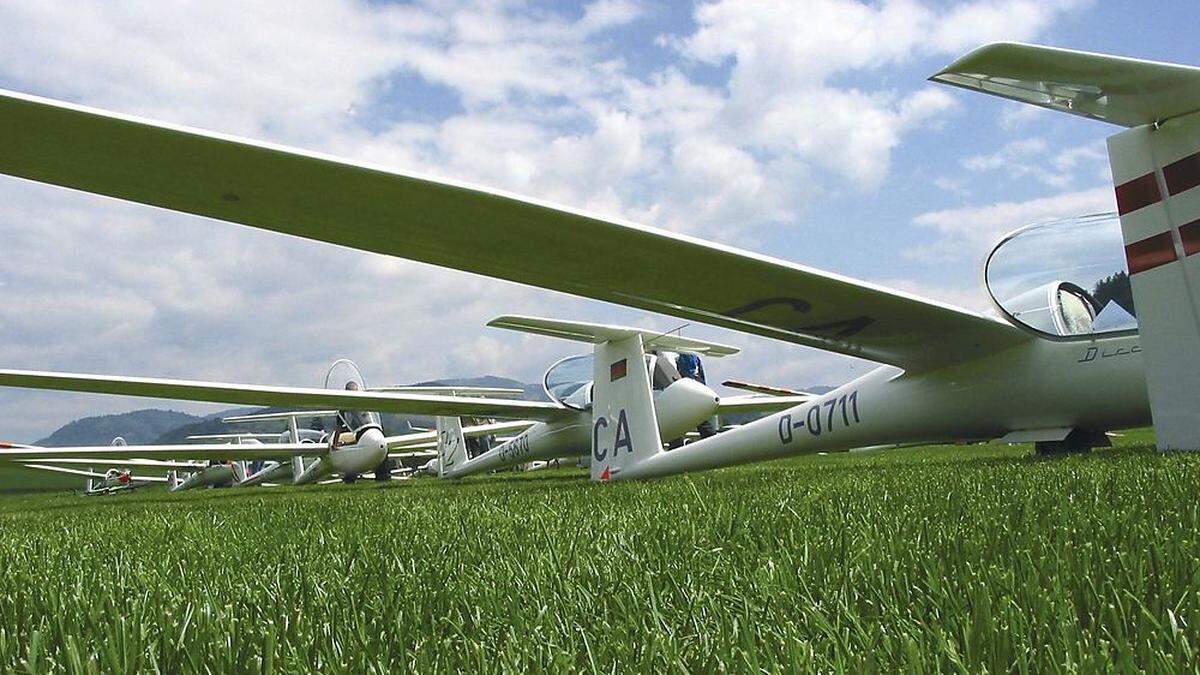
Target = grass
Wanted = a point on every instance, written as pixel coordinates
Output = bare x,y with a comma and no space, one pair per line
968,559
15,479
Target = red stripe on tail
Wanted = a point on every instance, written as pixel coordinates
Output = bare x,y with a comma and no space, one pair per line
1182,175
1190,234
1137,194
1150,252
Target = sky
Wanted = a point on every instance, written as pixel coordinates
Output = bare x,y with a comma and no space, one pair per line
804,129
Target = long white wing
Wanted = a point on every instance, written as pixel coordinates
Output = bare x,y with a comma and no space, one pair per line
92,474
130,463
481,231
183,451
297,397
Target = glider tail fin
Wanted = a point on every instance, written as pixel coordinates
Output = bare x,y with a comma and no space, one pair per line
239,472
624,423
451,445
1156,169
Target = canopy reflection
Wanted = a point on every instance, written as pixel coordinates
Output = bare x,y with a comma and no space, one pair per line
1064,278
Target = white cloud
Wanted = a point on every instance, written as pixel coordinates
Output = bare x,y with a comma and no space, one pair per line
972,24
970,295
606,14
968,232
1036,158
1015,115
956,185
785,54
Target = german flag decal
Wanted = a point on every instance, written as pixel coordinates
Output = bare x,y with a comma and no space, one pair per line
617,370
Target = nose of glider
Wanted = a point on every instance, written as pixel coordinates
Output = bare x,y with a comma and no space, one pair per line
682,406
375,442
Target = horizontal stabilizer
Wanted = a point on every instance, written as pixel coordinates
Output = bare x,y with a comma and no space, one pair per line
424,451
764,389
595,333
1120,90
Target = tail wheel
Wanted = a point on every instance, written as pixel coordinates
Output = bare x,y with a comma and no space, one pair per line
349,478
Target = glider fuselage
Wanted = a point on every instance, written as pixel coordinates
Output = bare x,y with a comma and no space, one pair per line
542,441
354,459
217,475
1095,385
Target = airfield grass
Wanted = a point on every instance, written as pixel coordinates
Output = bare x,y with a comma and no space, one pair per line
19,479
976,558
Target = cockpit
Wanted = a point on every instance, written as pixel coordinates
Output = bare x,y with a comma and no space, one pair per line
344,375
569,382
1064,278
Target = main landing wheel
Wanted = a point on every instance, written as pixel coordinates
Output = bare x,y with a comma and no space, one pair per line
383,472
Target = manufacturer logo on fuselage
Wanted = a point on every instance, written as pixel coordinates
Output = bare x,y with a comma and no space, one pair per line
1094,353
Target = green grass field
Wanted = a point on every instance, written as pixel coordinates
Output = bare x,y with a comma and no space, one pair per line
970,559
18,479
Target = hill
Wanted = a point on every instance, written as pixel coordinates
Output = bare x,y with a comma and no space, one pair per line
137,427
533,392
392,424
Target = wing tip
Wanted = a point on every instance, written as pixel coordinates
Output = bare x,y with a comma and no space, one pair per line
973,56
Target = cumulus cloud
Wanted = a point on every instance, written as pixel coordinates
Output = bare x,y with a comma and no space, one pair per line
786,54
969,231
1035,158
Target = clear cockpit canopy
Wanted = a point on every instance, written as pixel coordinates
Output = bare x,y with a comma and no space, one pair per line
344,375
1064,278
569,382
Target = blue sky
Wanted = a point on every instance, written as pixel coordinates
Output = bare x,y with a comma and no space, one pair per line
800,128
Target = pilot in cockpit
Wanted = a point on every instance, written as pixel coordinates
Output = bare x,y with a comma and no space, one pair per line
349,421
689,365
